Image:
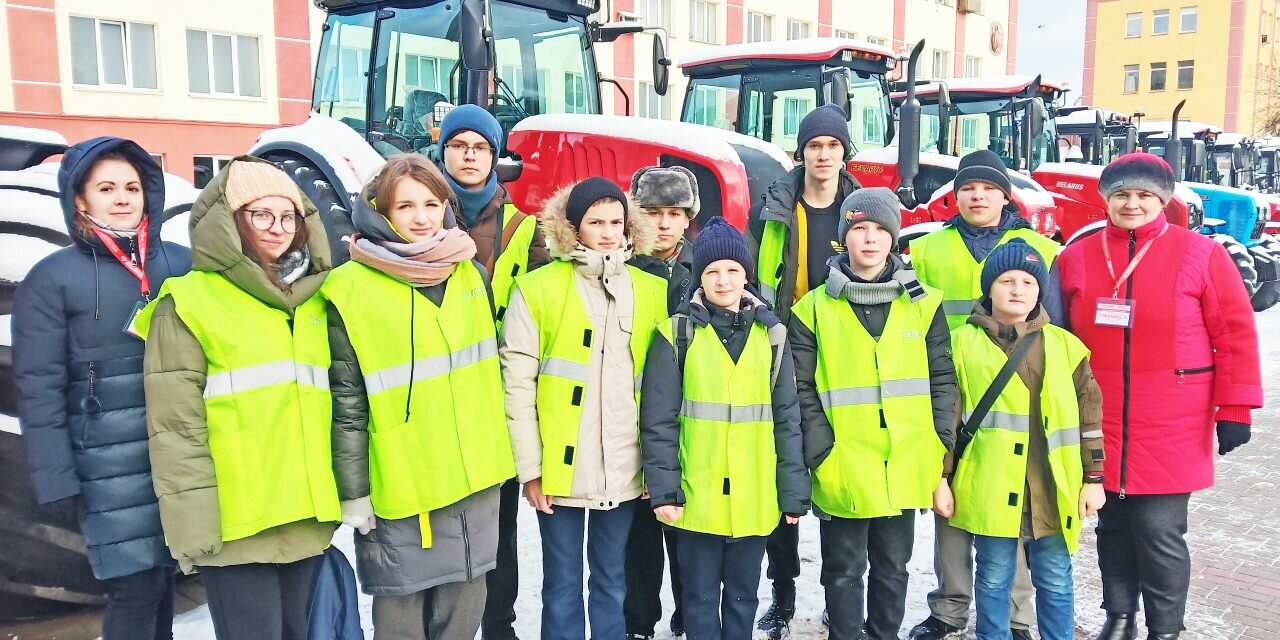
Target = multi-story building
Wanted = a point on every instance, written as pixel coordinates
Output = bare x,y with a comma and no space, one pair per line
193,83
1149,54
963,38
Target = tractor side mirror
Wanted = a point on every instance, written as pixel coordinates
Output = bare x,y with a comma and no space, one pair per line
839,91
1130,140
661,65
613,30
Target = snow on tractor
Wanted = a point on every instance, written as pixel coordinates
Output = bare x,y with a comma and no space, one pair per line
388,72
43,566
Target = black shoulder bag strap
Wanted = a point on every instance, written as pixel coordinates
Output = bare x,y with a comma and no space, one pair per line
683,331
970,427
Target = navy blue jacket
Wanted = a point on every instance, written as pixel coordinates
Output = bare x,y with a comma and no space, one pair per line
79,376
982,241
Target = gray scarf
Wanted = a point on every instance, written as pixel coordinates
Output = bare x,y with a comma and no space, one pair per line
293,265
903,278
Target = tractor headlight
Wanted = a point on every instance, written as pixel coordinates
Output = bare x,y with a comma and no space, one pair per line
593,5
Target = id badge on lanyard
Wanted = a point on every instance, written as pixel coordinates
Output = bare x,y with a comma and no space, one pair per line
136,268
1116,311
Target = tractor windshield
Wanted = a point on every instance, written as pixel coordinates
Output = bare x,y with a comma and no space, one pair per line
770,104
995,124
384,77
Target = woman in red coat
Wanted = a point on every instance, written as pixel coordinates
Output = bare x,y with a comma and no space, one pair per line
1175,350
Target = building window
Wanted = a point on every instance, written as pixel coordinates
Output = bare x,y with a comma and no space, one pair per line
432,74
968,133
575,93
872,125
207,167
1131,78
656,12
702,21
1190,19
972,66
650,104
941,64
159,159
759,27
1133,25
797,29
1159,22
109,53
793,110
841,33
877,41
1186,73
223,64
512,74
1157,76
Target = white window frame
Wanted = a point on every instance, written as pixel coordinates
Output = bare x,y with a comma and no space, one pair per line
1151,76
941,64
1129,26
1178,78
704,29
972,66
759,22
793,111
797,29
1155,19
651,105
646,8
235,65
877,41
1134,71
841,33
1194,12
572,82
126,27
219,163
872,127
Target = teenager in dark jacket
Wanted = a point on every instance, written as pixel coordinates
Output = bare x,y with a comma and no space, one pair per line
79,377
669,198
719,383
876,457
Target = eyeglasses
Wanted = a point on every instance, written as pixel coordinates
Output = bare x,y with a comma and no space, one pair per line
262,220
461,148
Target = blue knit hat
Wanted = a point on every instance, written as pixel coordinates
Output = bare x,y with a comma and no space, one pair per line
827,120
1014,254
719,240
469,117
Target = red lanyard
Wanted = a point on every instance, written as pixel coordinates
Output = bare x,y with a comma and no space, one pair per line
1133,264
139,268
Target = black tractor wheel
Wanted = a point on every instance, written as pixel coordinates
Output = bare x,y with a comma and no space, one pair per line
1244,262
323,194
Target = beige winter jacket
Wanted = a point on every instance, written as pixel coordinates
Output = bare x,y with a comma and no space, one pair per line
607,468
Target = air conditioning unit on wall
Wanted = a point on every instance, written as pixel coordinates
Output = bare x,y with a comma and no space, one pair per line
969,6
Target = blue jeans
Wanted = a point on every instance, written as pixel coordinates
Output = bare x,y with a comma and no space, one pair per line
563,615
1050,565
720,577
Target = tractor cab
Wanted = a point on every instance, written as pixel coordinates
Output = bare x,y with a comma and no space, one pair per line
1095,136
764,89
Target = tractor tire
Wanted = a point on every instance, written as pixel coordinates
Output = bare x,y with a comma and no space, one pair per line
1244,262
1267,296
322,194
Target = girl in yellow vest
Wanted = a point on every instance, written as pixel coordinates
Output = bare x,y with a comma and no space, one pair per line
574,342
238,403
720,426
420,438
1029,467
877,398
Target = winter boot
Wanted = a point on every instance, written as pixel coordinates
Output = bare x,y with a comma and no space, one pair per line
1172,635
775,624
1021,634
677,623
1119,626
935,629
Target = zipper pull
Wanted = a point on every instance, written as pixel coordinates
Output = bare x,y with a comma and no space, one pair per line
1182,376
1122,493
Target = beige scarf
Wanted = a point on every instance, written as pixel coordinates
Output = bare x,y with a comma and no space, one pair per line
424,263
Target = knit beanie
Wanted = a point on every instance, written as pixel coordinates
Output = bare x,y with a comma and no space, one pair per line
827,120
1014,254
719,240
588,192
1145,171
469,117
877,204
666,187
248,181
983,165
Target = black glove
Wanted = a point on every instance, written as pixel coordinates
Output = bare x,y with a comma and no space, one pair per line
66,512
1231,435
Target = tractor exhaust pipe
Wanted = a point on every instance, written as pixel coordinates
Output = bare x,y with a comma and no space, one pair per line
1173,151
909,134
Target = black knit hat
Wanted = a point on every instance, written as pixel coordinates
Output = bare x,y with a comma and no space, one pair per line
827,120
587,193
1145,171
719,240
986,166
877,204
1014,254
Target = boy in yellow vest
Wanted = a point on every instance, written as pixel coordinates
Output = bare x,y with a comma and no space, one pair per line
877,397
720,429
1031,471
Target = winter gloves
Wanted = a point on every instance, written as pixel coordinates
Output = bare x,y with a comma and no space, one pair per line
358,514
1231,435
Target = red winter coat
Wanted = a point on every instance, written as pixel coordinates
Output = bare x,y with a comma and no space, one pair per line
1190,359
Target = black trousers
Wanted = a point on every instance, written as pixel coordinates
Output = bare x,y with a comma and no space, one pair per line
1142,551
503,581
783,549
721,576
140,606
260,601
643,605
848,547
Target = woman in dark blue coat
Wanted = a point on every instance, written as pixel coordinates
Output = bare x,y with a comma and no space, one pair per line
79,376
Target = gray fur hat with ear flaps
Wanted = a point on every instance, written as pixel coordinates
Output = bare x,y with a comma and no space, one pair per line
673,186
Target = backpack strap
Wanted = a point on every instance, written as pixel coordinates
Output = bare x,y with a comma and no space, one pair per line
682,329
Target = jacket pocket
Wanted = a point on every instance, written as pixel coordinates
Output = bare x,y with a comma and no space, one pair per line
1182,373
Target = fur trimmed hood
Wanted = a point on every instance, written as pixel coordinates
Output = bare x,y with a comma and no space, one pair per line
562,237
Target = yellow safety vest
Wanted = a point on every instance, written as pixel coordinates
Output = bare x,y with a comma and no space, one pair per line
877,397
513,259
267,404
728,459
567,338
942,260
990,478
769,266
437,426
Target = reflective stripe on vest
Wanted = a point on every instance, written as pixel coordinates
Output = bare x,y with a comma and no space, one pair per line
990,480
942,260
876,395
267,404
512,259
567,338
728,462
454,441
769,267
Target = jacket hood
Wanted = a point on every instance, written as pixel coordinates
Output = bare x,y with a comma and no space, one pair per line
562,237
752,302
79,159
781,197
216,247
374,226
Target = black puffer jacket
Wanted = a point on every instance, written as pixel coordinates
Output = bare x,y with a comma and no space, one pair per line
677,271
79,376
